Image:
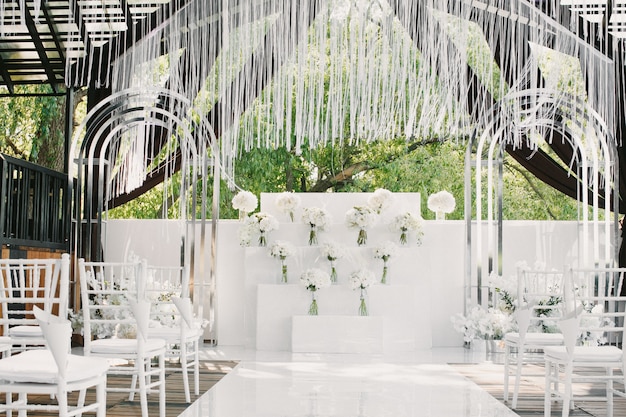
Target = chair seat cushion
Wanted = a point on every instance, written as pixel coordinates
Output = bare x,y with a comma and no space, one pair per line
38,366
543,339
124,346
586,353
25,331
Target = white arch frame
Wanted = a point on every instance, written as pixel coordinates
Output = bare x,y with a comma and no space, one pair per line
107,122
599,159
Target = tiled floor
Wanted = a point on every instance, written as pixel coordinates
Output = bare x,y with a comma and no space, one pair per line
283,384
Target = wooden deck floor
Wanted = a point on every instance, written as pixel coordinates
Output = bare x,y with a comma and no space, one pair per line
119,406
489,376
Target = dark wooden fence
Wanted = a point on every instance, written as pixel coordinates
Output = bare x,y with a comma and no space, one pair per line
33,206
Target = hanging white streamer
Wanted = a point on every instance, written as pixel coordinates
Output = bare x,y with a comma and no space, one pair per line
278,75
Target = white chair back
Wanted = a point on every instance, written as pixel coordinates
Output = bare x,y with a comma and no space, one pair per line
162,284
106,291
26,282
599,305
540,300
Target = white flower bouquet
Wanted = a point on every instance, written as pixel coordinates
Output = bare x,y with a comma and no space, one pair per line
245,202
441,203
360,217
406,223
380,200
287,203
361,280
314,279
482,323
592,320
281,250
385,252
332,251
262,223
317,219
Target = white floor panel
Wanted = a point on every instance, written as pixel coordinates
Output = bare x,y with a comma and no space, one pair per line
282,384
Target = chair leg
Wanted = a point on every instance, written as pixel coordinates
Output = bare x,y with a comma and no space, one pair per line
609,393
62,401
196,367
507,363
567,390
549,386
101,398
162,403
80,403
183,364
8,402
143,394
81,398
133,387
22,398
519,362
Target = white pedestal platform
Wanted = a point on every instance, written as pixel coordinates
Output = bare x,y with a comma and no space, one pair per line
337,334
405,324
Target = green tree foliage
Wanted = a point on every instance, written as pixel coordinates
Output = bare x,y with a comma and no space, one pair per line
33,127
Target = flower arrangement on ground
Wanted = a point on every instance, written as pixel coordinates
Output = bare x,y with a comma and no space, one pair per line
441,203
261,223
361,280
360,217
332,251
591,317
281,250
385,252
287,203
314,279
317,219
407,223
504,290
380,200
483,323
245,202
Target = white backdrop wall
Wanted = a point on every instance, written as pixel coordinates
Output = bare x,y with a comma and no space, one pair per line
425,285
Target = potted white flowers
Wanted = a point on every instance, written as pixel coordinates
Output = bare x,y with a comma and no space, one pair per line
281,250
360,217
316,218
287,203
361,280
245,202
441,203
385,252
332,252
314,279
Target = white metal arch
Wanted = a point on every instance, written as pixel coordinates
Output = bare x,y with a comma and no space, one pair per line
91,155
597,155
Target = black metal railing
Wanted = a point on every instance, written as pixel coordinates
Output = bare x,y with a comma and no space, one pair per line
32,205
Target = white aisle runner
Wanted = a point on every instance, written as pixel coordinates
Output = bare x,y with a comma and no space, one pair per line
273,384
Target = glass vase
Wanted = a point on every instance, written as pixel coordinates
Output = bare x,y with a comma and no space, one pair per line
262,239
362,238
403,237
363,306
440,215
313,235
283,277
383,280
242,215
313,307
333,272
